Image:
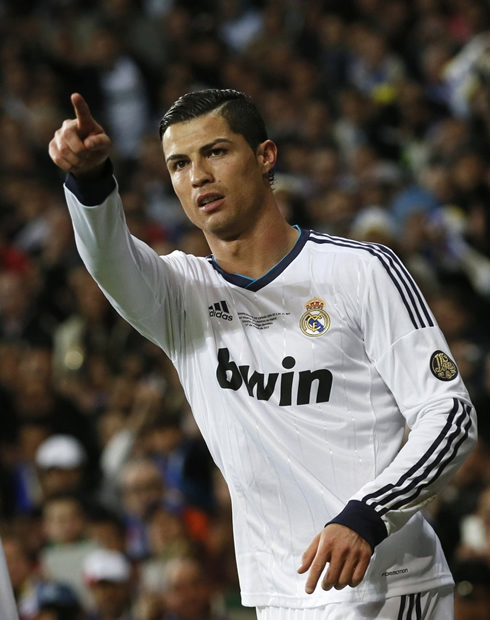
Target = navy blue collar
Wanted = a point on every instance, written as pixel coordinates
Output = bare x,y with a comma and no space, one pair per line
255,285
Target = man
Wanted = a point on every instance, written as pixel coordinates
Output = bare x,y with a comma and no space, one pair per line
108,576
57,601
302,356
61,462
142,490
188,594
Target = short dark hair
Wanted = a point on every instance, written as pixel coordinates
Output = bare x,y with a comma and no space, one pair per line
236,107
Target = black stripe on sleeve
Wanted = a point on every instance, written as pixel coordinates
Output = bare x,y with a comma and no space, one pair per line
418,488
408,284
404,287
421,461
411,281
446,445
402,272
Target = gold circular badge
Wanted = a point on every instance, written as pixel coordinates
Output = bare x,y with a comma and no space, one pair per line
315,321
442,366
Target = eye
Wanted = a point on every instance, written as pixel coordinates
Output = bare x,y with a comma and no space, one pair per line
217,151
179,164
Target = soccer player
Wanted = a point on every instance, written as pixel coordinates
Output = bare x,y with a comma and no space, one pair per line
302,355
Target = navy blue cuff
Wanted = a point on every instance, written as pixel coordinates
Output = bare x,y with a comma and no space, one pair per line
365,521
93,192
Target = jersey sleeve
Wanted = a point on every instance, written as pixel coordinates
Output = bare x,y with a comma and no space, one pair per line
144,288
410,353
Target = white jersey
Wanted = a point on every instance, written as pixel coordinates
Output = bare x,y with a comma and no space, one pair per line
301,383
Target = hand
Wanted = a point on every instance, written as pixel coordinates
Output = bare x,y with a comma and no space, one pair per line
80,146
347,553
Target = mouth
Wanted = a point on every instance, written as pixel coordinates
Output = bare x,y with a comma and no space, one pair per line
209,202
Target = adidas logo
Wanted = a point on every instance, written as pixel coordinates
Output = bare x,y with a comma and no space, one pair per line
220,311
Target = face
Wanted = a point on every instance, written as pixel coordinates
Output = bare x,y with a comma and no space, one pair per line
63,521
55,480
188,595
111,598
107,535
221,183
166,531
142,488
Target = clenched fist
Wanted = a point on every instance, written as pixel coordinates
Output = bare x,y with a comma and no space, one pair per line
80,146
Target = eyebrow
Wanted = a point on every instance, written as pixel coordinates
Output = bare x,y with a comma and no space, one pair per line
203,149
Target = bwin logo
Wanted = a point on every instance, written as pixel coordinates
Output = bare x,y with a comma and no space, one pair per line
232,377
220,311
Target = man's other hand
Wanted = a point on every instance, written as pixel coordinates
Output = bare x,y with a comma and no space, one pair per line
346,552
80,146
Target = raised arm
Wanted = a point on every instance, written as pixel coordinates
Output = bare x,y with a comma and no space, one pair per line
142,286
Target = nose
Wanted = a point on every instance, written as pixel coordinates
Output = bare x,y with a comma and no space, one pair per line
200,173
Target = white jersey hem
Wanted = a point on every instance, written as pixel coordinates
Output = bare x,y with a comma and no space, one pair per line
365,595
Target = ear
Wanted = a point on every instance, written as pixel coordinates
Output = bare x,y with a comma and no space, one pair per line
267,156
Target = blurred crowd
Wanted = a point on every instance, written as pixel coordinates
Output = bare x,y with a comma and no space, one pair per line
110,508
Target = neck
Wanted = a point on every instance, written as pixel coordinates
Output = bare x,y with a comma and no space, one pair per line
257,249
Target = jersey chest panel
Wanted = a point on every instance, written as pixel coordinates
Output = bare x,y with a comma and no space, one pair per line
290,346
280,394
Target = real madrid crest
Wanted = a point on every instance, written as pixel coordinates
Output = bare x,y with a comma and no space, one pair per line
315,321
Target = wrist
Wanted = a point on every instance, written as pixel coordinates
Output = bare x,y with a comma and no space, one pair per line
363,520
92,190
95,173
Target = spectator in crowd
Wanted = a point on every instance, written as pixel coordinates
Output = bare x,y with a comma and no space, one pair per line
189,595
60,460
65,527
57,601
184,461
106,529
38,599
142,490
108,576
167,539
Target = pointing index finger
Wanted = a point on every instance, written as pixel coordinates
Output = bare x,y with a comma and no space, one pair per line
82,111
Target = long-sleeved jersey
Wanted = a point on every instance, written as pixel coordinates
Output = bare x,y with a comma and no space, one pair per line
301,383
